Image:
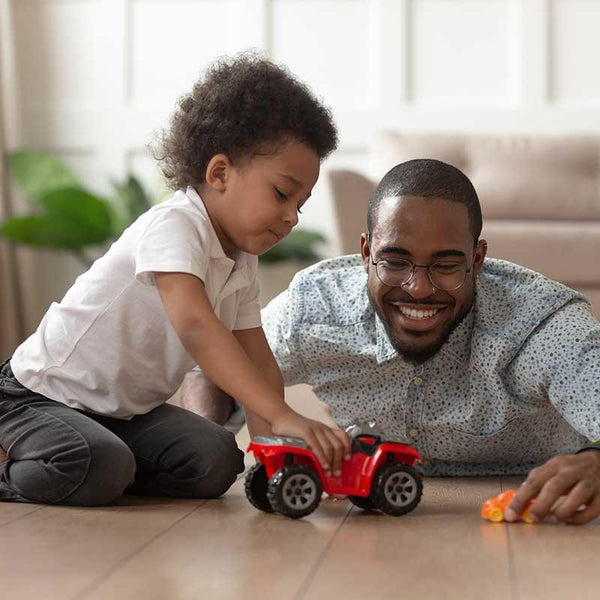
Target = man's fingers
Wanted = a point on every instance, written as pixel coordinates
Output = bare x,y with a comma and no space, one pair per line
588,514
580,495
559,485
528,490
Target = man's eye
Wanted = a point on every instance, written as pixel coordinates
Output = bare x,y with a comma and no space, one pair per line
445,268
396,265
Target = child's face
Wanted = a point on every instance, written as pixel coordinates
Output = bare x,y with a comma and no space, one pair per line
260,200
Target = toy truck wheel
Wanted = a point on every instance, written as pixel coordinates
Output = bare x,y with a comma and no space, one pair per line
396,489
364,503
256,488
295,491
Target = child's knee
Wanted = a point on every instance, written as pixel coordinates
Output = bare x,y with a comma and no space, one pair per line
82,474
111,472
222,468
209,473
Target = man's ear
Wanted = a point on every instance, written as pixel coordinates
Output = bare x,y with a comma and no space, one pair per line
480,253
217,172
365,250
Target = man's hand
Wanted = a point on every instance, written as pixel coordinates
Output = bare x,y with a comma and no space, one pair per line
329,444
575,476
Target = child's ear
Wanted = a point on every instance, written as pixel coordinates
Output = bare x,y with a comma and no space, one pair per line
217,172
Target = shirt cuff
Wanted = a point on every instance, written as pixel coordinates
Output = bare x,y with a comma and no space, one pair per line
593,445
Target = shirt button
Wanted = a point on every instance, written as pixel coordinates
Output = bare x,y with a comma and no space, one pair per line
418,381
413,432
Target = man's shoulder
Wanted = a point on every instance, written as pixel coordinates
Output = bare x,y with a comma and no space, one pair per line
333,291
514,300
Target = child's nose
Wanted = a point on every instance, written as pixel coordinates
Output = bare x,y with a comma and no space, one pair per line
290,216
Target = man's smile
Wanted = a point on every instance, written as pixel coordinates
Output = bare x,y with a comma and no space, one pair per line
418,317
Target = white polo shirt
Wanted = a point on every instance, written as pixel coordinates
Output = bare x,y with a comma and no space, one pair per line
108,346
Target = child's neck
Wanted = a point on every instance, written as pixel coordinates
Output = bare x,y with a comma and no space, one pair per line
208,198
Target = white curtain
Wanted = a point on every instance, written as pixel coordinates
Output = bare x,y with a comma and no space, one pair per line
12,329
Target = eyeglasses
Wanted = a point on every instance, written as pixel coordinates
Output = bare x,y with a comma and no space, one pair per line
445,276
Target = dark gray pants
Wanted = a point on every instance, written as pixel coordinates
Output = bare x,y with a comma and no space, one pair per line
59,455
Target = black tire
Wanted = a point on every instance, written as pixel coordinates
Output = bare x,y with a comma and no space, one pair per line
256,488
295,491
396,489
364,503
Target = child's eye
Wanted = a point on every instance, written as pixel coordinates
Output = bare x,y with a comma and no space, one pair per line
280,194
299,210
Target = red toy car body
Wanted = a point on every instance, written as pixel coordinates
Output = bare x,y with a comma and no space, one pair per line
289,479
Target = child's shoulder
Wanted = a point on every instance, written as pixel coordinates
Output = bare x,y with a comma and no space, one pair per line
180,208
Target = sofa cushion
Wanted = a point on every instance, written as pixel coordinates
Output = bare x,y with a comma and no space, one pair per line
555,178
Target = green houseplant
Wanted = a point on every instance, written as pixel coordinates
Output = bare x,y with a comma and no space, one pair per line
299,246
69,217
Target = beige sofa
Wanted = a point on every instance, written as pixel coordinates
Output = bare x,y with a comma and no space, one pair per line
540,198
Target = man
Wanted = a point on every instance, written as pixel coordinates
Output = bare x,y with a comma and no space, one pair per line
485,366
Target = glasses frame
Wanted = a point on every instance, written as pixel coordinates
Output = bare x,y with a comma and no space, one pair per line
413,270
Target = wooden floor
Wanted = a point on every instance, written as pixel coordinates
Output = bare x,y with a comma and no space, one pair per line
163,549
172,549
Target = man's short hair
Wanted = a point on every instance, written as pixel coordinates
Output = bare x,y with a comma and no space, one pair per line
427,178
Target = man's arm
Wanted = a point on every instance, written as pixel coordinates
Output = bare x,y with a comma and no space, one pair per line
200,395
564,358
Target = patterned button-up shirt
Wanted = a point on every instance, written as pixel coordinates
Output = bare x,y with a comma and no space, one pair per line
517,382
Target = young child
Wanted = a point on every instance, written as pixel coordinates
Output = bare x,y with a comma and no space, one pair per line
83,413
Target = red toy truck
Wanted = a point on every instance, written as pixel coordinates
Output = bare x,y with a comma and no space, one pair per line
289,479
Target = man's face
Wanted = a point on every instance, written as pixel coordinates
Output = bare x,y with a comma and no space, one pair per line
417,316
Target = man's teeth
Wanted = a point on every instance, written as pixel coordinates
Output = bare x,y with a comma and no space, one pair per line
418,314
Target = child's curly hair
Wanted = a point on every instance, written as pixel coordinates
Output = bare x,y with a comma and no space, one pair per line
241,104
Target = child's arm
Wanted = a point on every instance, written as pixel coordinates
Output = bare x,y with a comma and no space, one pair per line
226,363
255,344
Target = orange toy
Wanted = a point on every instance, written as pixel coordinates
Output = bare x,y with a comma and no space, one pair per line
493,508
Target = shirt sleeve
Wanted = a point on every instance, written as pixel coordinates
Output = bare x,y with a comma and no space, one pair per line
562,357
281,326
171,243
248,315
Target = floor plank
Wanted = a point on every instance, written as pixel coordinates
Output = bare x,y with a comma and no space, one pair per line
228,550
441,550
153,549
555,561
56,552
13,511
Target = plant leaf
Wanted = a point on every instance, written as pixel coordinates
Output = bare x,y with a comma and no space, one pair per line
82,219
39,173
140,201
129,202
33,231
298,246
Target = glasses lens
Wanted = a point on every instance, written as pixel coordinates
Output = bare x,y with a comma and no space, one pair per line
447,276
394,272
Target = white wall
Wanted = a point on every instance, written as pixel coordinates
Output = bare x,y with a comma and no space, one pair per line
92,79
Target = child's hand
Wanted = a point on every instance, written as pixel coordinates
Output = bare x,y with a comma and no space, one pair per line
329,445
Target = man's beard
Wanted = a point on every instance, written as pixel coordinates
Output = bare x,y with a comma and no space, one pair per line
415,352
